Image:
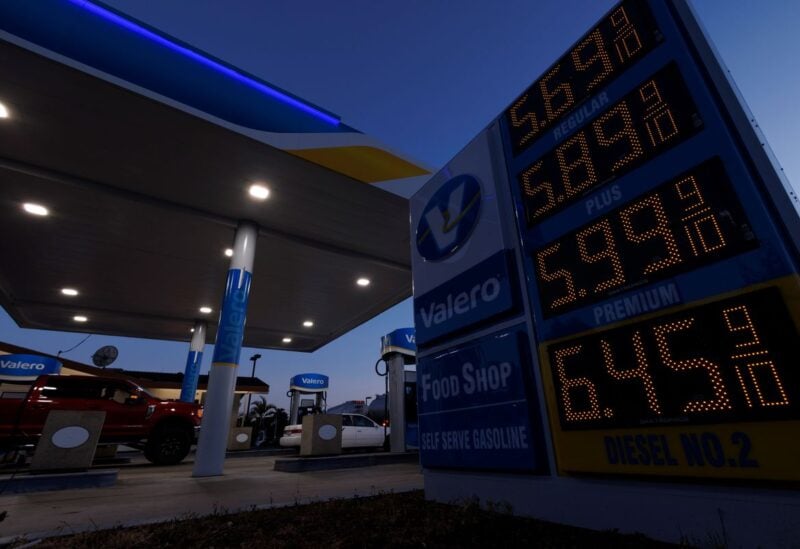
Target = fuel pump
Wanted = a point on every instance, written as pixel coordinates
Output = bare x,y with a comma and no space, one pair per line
312,386
398,349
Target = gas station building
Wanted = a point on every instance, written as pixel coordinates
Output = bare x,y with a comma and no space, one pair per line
163,385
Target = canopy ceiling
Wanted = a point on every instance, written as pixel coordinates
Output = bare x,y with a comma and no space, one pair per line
144,198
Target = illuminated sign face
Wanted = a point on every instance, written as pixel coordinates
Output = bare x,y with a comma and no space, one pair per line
449,218
403,341
656,115
626,35
726,361
687,222
661,274
708,391
309,382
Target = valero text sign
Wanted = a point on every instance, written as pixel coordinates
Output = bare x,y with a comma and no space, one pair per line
27,367
309,383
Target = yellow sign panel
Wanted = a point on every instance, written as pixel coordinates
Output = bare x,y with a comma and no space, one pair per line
710,389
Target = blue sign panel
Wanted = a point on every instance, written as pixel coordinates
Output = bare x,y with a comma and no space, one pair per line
26,367
232,317
473,408
191,376
647,200
309,383
476,295
401,341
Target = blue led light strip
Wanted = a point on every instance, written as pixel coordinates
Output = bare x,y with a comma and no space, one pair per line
133,27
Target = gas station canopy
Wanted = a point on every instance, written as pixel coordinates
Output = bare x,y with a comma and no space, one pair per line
145,168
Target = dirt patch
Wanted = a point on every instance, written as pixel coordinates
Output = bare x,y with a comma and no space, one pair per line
387,520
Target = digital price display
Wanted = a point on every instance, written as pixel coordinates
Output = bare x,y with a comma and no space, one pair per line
667,309
692,220
731,360
626,35
711,390
658,114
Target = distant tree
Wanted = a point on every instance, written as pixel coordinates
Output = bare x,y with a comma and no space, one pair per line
260,410
282,420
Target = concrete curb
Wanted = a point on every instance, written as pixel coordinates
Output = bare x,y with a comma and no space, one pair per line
325,463
260,452
26,482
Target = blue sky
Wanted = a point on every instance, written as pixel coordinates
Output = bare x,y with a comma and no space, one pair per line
425,77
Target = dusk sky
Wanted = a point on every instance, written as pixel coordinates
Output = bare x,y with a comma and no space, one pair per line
424,77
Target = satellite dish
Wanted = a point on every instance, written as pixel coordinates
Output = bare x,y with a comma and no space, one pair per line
104,356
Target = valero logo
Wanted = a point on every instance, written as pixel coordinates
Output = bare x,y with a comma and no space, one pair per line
309,382
26,367
449,217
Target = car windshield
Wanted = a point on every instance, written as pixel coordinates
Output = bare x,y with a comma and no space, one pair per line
361,421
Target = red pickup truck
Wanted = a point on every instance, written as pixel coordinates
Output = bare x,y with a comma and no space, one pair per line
165,429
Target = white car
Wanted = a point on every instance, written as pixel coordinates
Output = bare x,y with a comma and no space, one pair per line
357,432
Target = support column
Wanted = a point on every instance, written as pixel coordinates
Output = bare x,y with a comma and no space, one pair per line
193,362
397,401
397,348
294,405
210,457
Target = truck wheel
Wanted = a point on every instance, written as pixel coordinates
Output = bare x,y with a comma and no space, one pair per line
168,445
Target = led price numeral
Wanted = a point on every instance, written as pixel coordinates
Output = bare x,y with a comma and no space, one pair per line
749,355
613,134
644,222
575,76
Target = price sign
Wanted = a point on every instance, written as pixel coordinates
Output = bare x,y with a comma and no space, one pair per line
620,39
731,360
687,222
658,114
663,278
709,391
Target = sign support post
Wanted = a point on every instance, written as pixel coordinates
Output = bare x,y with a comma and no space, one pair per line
397,411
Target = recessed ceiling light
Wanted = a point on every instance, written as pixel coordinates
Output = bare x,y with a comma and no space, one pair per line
35,209
287,339
69,291
308,323
229,252
79,318
259,192
363,281
3,111
191,330
205,310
